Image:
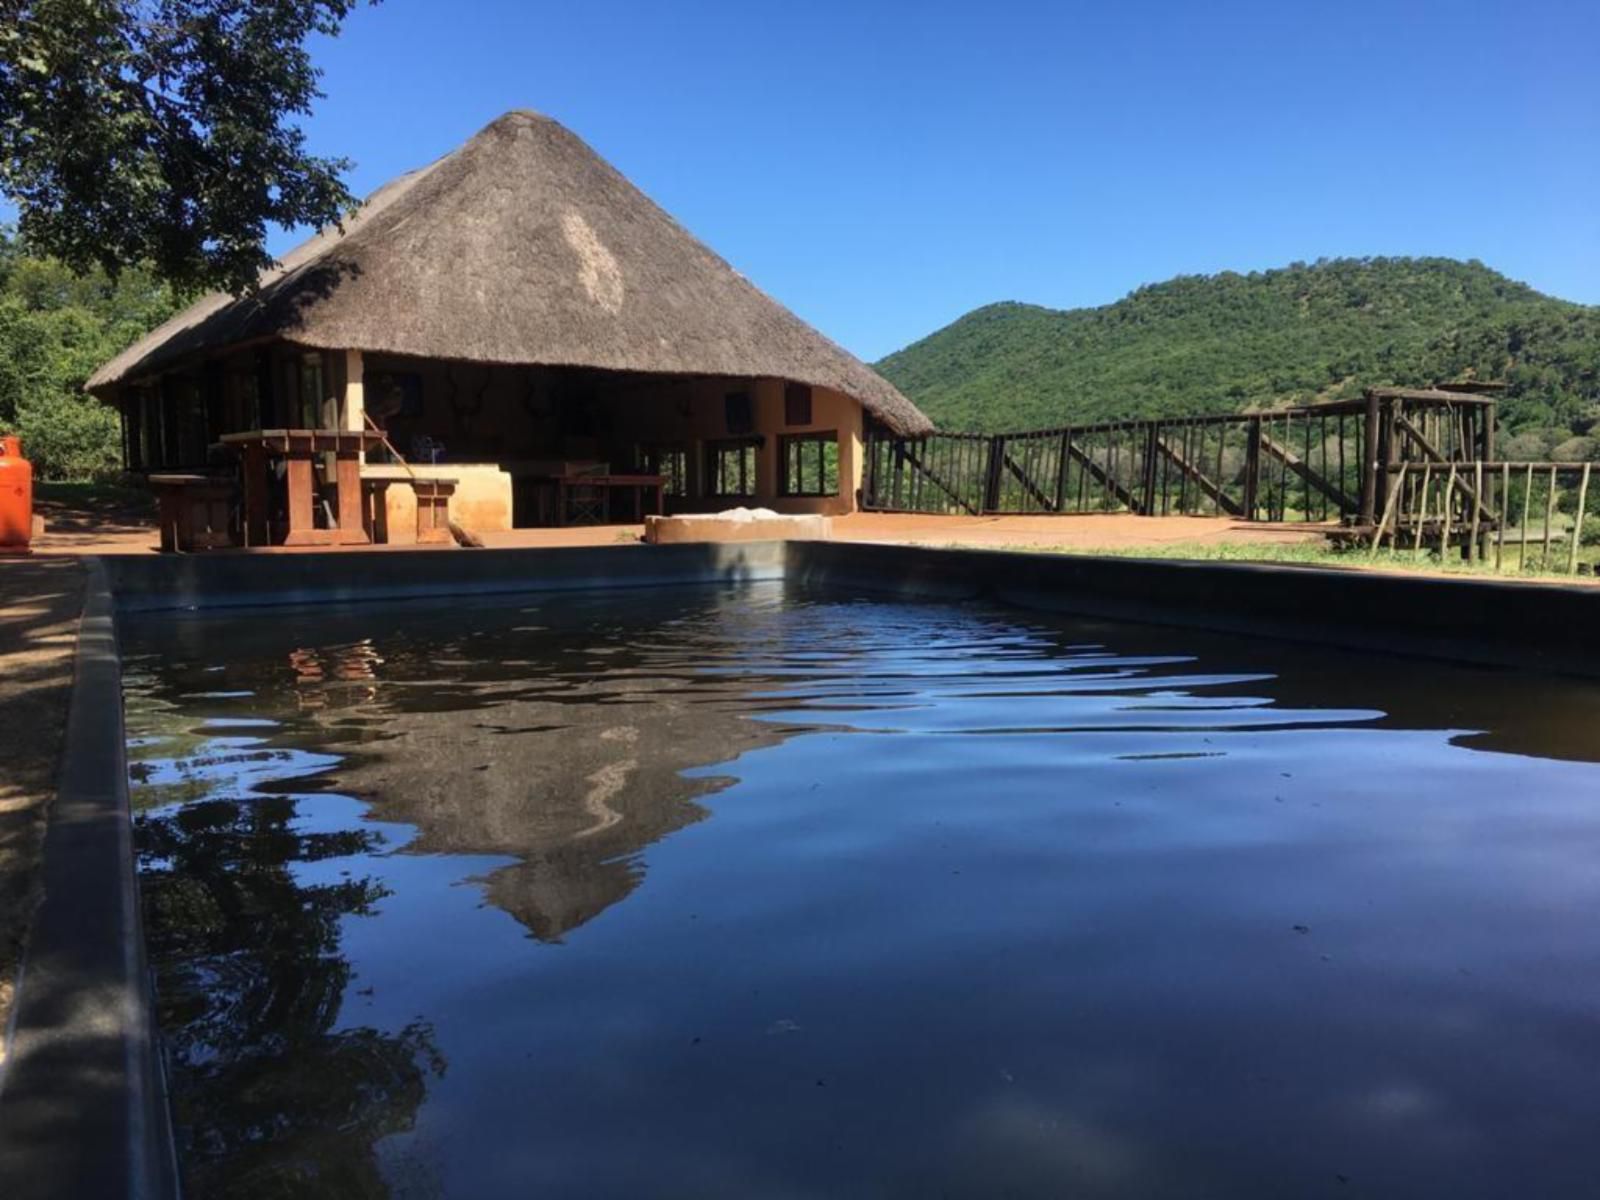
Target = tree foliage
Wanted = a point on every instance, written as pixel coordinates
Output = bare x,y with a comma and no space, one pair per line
161,132
55,329
1219,343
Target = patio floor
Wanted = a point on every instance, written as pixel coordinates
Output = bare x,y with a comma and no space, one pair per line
107,531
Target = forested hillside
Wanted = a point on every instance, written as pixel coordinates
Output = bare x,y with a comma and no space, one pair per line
1306,332
55,329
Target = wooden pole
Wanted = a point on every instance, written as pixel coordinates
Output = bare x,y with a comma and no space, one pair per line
1447,512
1474,551
1222,441
1505,513
1252,468
1527,506
1422,511
1388,511
1577,521
1549,515
1369,461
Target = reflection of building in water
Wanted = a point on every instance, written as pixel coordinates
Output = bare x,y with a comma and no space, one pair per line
574,788
562,748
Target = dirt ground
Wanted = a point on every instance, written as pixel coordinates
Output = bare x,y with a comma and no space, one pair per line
92,521
108,527
40,600
1094,531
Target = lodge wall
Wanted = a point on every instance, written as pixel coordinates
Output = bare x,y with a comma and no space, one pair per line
721,441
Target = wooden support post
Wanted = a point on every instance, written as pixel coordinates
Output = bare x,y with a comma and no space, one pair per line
991,474
1369,461
1447,511
1252,468
302,491
1549,516
1388,511
1474,550
1527,505
1577,521
1063,460
1422,511
1505,515
351,526
1152,435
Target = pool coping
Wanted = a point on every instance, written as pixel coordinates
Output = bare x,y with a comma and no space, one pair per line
83,1109
1543,627
83,1106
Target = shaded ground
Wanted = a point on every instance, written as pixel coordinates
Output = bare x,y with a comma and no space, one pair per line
39,604
93,518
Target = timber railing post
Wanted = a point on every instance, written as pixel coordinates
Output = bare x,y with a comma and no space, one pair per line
1152,436
991,478
1252,468
1369,463
1061,472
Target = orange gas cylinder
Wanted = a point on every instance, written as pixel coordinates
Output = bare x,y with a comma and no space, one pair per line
16,497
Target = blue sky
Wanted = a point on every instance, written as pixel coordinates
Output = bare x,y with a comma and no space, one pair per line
884,167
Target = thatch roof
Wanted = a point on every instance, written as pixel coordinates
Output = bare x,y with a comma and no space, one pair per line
523,246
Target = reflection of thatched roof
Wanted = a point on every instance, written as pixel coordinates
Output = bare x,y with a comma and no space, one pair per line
523,246
572,789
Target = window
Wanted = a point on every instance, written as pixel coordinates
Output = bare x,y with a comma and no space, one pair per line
671,462
731,467
736,412
809,464
796,404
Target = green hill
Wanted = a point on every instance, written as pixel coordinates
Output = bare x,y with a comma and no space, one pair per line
1218,343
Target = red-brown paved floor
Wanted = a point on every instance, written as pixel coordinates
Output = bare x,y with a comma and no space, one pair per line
68,533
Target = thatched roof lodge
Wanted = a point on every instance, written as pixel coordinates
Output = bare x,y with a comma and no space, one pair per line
515,309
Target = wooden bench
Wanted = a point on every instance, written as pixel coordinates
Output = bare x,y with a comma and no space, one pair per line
195,512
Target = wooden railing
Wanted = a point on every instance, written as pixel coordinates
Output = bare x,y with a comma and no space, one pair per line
1518,515
1322,462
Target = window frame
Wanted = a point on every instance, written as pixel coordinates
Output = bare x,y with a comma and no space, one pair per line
791,476
749,450
669,460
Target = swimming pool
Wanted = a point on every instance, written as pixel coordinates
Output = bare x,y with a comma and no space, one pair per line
766,891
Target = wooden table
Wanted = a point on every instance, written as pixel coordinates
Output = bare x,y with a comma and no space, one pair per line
299,449
586,499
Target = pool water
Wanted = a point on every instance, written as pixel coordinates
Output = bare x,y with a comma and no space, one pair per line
761,892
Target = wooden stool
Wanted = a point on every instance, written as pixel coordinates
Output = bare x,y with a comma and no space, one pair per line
433,510
195,512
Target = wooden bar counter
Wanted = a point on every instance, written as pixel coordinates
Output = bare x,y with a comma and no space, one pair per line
299,449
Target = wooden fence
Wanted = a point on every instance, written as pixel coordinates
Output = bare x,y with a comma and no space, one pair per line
1410,469
1519,514
1319,462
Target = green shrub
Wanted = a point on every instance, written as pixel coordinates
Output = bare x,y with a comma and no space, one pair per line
55,329
67,436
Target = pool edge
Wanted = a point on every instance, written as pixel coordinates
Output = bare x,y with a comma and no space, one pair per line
83,1108
1484,622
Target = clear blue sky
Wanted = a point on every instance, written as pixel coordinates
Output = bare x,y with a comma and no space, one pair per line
884,167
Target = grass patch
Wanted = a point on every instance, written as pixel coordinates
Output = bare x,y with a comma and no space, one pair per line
1322,554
